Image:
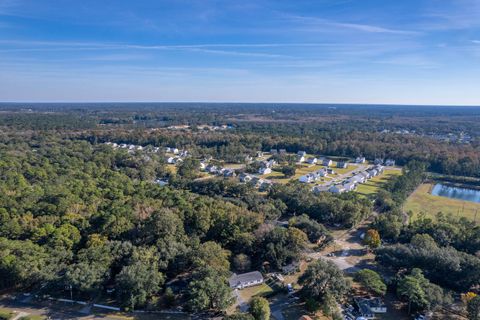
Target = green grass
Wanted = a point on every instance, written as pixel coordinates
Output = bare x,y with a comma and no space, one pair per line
374,184
422,201
33,317
249,293
6,314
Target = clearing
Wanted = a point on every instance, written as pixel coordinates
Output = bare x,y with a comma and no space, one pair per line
422,201
374,184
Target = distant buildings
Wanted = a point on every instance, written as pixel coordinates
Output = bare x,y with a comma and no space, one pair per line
327,162
390,162
360,160
264,170
369,307
313,176
342,165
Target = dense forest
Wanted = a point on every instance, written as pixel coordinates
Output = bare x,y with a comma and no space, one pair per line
77,214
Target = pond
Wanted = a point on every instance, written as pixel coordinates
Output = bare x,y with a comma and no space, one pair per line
456,193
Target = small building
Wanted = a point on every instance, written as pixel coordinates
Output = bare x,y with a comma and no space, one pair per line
312,160
369,307
300,159
338,189
248,158
244,280
282,151
349,186
358,178
264,170
320,189
291,268
307,178
161,182
365,174
245,177
270,163
342,164
379,169
227,173
259,154
273,151
170,160
211,168
390,163
360,160
301,153
378,161
327,162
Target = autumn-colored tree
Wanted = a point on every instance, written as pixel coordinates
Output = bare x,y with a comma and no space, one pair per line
372,239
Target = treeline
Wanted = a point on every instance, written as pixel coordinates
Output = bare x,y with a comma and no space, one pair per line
89,217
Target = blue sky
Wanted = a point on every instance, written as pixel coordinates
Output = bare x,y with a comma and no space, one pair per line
345,51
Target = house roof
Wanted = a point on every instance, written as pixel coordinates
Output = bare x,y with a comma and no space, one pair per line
237,279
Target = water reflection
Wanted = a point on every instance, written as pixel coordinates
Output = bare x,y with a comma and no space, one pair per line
456,193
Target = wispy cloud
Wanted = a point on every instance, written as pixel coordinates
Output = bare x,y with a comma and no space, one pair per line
335,25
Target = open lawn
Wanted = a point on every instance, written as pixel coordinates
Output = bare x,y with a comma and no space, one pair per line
249,293
374,184
6,314
421,201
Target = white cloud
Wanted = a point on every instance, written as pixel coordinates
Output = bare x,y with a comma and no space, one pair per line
368,28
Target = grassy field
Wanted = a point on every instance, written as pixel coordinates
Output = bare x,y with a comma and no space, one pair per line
249,293
422,201
374,184
6,314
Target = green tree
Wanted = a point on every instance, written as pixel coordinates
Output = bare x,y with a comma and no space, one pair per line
289,171
209,290
137,282
323,280
242,262
371,281
260,308
473,308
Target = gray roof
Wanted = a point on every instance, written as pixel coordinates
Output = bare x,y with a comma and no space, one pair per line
238,279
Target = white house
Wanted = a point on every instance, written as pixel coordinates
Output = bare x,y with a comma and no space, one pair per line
358,178
342,164
301,153
337,189
312,160
300,159
327,162
245,280
320,189
171,160
360,160
349,186
265,170
307,178
174,150
390,162
161,182
244,177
